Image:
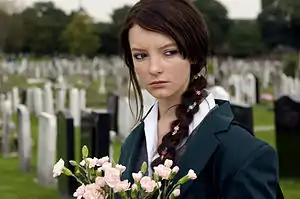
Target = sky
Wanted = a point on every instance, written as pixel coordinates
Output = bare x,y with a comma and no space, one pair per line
101,10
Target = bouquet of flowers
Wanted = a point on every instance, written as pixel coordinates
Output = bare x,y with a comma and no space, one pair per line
101,179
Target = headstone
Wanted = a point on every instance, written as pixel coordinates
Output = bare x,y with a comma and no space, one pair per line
75,106
46,148
249,89
102,88
243,114
82,99
16,99
95,127
287,125
23,96
6,119
126,117
219,93
61,96
66,150
235,89
112,108
38,101
24,138
48,99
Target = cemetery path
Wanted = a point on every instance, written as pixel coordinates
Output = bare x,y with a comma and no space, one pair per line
263,128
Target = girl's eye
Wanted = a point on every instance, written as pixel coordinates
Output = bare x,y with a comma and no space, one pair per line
171,52
139,56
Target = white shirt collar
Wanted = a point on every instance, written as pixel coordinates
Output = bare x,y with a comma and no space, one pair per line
150,124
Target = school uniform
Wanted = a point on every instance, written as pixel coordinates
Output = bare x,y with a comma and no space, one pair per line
229,162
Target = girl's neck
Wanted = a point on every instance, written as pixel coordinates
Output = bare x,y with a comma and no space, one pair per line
167,108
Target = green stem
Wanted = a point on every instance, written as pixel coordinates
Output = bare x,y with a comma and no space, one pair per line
174,187
78,180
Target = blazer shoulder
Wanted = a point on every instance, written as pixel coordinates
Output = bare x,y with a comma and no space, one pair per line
136,132
238,147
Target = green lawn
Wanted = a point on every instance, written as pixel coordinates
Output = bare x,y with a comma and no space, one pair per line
290,187
262,116
17,185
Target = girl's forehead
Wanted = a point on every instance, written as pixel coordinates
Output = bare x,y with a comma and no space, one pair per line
142,37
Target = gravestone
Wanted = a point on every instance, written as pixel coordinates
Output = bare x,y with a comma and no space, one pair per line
61,96
243,114
82,99
46,148
257,89
95,127
75,106
48,99
287,125
23,96
6,119
66,150
38,101
16,99
24,138
112,108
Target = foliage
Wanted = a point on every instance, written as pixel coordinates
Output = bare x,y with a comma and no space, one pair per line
290,64
245,39
79,35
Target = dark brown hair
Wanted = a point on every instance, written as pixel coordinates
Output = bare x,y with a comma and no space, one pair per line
181,21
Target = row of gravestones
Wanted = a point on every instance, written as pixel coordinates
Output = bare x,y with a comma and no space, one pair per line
287,128
56,139
287,125
38,100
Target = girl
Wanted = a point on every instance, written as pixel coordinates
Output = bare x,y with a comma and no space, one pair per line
165,47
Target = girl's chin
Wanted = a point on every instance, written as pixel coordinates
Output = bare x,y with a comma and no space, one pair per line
159,94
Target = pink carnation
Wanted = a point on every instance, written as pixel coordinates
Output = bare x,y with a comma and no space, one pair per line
100,181
137,176
79,192
112,176
122,186
92,191
162,171
103,160
192,175
148,184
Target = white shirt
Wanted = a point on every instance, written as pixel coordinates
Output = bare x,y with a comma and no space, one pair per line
150,125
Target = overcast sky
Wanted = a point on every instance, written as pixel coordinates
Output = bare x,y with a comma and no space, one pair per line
101,9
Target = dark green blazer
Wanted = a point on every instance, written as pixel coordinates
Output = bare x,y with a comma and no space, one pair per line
221,153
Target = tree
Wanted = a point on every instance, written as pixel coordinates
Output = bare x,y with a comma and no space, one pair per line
109,33
280,23
245,39
15,35
44,24
216,17
79,35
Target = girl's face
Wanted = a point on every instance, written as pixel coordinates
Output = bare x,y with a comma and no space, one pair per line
159,66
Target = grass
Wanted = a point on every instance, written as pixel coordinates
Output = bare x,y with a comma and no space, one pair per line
17,185
262,116
290,187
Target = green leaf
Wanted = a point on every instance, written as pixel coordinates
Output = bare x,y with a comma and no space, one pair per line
73,163
67,172
144,168
85,152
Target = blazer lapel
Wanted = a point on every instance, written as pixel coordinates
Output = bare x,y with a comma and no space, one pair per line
132,151
204,143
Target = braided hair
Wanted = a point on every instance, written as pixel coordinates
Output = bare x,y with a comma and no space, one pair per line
180,20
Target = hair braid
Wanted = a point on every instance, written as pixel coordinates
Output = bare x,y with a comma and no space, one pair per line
167,149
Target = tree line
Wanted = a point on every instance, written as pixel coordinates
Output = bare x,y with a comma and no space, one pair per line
43,29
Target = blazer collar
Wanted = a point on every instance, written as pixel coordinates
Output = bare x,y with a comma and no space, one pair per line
199,149
150,124
204,143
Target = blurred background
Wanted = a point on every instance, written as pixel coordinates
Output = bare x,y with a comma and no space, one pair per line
63,84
